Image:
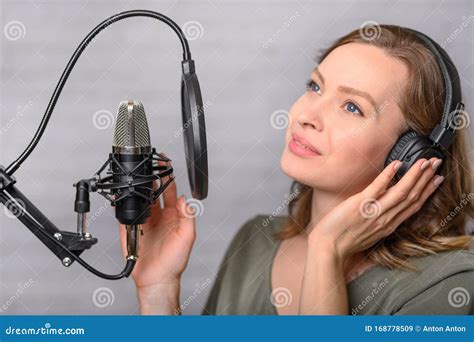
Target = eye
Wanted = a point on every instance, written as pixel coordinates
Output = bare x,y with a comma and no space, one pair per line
352,107
312,86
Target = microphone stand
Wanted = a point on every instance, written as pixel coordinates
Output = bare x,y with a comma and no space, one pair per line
68,246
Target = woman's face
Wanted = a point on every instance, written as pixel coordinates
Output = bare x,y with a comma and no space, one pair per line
352,136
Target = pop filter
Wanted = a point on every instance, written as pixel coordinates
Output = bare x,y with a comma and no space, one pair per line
128,181
191,102
194,131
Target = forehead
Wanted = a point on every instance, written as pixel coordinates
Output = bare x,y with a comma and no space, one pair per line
367,68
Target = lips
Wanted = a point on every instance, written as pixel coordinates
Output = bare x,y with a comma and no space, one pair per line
304,143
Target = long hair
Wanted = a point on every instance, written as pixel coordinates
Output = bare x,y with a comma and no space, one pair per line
440,223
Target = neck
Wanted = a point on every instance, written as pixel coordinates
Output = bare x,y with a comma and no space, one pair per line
323,202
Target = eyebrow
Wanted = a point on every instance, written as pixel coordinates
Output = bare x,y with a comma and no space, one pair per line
349,90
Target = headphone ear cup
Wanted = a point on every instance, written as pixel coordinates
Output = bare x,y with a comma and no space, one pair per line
396,151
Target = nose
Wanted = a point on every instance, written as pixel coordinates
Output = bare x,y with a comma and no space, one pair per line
310,118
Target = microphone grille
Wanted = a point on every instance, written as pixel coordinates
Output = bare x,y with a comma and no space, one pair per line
131,126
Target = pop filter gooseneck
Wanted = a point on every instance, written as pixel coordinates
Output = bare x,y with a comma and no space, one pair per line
68,246
191,105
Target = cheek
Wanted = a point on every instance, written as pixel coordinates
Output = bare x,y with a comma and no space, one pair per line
357,151
364,155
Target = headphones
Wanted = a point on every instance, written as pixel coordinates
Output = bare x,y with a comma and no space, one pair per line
412,146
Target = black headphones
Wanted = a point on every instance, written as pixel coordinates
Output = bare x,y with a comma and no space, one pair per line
412,146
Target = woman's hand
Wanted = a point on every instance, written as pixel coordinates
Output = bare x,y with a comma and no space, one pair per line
355,225
166,243
365,218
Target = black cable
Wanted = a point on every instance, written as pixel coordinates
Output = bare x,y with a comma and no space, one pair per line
27,220
57,91
38,219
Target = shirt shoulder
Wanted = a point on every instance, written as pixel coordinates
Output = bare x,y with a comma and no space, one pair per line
440,280
453,295
432,269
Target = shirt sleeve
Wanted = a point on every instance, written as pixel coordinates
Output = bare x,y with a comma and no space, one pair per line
212,304
453,295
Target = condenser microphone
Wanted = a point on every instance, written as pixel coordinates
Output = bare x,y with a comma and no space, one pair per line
126,177
131,162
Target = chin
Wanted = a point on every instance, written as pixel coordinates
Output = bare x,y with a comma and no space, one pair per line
296,168
311,173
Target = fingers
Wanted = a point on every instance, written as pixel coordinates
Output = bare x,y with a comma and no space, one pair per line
401,193
155,211
186,219
381,182
156,206
402,215
170,194
426,176
123,239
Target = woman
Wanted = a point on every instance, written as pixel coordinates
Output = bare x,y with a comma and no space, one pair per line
332,254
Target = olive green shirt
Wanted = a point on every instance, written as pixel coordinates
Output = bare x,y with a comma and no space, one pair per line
442,285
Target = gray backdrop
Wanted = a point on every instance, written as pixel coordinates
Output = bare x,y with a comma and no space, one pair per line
252,60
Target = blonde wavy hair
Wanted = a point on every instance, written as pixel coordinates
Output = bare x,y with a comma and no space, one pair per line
440,224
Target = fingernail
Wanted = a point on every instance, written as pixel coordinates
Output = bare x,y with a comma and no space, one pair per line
397,165
437,163
425,164
438,180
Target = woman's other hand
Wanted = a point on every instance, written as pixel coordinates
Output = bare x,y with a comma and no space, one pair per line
164,249
367,217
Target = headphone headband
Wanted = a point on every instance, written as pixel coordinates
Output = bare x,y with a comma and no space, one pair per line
411,145
444,134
